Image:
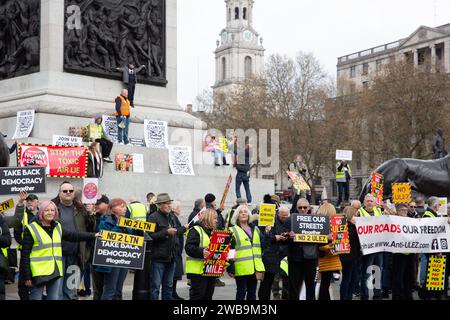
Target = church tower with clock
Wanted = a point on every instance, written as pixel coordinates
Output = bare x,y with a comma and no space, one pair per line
239,53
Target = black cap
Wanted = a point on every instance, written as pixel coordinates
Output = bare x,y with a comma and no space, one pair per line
32,197
209,198
103,199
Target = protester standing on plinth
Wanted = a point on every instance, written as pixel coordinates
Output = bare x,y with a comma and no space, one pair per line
123,113
343,176
129,78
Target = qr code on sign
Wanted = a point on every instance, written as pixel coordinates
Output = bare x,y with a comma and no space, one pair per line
181,162
156,134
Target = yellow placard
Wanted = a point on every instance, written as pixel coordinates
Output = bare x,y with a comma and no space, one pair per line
436,273
122,238
137,224
311,238
5,206
267,215
401,193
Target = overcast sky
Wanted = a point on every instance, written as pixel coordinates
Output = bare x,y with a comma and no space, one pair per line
327,28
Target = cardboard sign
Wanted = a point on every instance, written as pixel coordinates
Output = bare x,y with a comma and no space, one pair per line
225,192
6,205
266,215
310,228
109,124
377,187
298,181
118,255
339,231
16,179
436,273
137,224
24,124
90,190
219,246
442,212
67,141
138,163
124,162
346,155
122,238
401,193
59,161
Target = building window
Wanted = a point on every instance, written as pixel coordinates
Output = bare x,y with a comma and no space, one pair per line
365,69
379,65
244,14
224,68
236,13
353,72
248,67
365,85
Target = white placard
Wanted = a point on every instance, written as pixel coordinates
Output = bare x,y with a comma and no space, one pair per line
180,160
109,124
403,235
346,155
24,124
138,163
156,134
443,208
67,141
90,190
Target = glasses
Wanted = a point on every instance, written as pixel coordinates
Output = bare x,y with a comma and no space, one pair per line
412,206
67,191
302,208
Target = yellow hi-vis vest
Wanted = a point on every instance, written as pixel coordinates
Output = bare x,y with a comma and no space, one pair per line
284,266
24,224
96,128
363,213
248,254
46,251
340,174
428,214
5,252
138,211
194,265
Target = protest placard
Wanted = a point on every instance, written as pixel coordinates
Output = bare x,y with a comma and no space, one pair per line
298,181
90,190
442,211
225,192
6,205
67,141
109,124
24,124
16,179
122,238
59,161
266,215
137,224
180,160
94,132
401,193
124,162
156,134
377,187
137,142
346,155
138,163
219,246
118,255
310,228
398,234
436,273
339,231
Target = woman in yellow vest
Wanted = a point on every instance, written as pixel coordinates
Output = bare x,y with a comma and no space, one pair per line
248,267
197,244
329,262
5,242
41,261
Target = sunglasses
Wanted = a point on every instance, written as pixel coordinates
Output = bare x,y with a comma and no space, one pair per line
304,208
67,191
412,206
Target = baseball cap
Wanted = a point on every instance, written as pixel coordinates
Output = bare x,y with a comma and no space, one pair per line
32,197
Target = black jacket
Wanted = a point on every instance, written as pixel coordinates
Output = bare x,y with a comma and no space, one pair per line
192,246
355,246
5,236
179,248
301,251
274,251
164,245
28,242
194,212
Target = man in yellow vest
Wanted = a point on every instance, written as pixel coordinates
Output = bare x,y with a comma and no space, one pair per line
5,242
343,176
123,113
374,260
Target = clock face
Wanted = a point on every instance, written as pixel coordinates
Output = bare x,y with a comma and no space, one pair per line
224,37
248,35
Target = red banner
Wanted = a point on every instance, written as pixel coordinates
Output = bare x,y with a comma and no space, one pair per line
219,247
59,161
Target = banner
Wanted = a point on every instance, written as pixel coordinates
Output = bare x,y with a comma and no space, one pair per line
16,179
180,160
109,124
298,181
138,163
59,161
6,205
339,231
346,155
124,162
266,215
24,124
310,228
90,190
219,246
401,193
225,192
156,134
118,255
377,187
403,235
436,273
137,224
67,141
